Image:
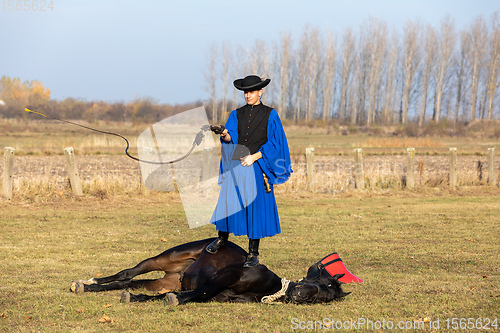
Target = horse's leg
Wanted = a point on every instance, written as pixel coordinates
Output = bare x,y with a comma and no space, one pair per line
174,260
168,283
158,263
125,276
212,287
169,298
208,289
128,297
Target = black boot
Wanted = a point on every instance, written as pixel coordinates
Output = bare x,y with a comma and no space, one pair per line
218,242
253,253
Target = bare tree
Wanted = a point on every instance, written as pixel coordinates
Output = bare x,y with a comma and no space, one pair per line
477,37
257,57
211,78
292,86
308,63
429,61
313,39
284,58
411,61
227,61
348,58
377,33
260,59
493,63
365,47
265,67
329,73
241,69
303,75
446,46
390,86
356,97
461,73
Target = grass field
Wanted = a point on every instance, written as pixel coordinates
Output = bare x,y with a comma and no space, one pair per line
424,255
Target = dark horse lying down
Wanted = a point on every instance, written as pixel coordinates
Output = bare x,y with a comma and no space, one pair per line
198,276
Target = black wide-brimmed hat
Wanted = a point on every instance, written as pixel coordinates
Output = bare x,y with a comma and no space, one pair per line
251,83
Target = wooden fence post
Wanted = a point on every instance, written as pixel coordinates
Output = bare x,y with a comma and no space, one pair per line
74,177
453,168
310,168
492,172
359,174
410,168
8,170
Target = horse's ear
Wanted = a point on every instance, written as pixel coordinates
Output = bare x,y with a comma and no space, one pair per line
336,277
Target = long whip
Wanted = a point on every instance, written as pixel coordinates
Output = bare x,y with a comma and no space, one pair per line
196,142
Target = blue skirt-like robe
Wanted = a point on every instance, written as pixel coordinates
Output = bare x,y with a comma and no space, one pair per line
244,207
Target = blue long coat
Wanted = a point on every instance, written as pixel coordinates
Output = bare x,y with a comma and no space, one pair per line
244,207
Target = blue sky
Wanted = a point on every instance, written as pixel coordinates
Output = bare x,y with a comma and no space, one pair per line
120,50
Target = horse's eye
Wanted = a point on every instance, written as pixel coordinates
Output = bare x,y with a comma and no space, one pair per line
330,285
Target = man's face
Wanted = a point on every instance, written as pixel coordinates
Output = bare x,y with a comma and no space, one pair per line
253,97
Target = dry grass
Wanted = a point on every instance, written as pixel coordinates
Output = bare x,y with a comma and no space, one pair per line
421,254
44,178
407,142
34,137
428,252
335,175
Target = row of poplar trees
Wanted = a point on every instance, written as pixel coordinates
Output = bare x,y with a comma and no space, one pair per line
374,75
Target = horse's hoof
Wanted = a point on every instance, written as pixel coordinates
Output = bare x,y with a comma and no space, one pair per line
171,299
125,297
77,287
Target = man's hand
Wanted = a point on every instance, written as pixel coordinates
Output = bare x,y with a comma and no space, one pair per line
217,129
250,159
247,160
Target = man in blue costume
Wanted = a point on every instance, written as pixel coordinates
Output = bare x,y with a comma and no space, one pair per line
254,157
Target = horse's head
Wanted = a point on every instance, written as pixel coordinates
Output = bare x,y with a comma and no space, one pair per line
321,289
